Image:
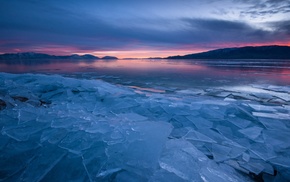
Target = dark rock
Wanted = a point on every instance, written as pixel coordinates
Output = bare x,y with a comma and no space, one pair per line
2,104
20,98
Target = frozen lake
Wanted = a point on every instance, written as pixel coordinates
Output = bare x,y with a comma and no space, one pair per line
145,120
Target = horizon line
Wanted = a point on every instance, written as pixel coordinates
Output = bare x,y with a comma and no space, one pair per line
148,57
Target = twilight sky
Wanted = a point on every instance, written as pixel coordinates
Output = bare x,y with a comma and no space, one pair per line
140,28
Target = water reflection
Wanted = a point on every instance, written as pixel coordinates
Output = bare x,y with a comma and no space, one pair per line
162,73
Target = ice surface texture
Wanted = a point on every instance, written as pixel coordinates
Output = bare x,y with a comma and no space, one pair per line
63,129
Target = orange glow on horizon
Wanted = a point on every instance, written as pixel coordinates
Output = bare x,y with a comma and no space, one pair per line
144,53
188,49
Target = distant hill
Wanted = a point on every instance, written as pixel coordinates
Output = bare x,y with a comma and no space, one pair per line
260,52
32,55
109,57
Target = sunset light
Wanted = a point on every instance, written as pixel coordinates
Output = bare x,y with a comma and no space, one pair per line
145,90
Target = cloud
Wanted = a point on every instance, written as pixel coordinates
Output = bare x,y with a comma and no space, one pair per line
129,25
265,8
217,31
282,27
98,35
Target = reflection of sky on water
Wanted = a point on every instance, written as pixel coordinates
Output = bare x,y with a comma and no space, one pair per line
163,73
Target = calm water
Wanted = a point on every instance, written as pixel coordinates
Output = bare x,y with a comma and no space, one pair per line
162,74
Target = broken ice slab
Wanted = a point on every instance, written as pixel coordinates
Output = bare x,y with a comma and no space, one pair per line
42,163
235,151
124,175
268,167
131,117
53,135
8,118
279,139
263,96
197,136
211,113
220,152
107,89
188,163
221,172
252,132
255,168
176,110
23,131
182,164
180,121
222,94
260,107
163,175
283,161
272,87
242,96
213,134
102,127
200,122
93,159
263,151
247,89
15,157
234,164
67,122
246,157
283,116
3,141
141,150
69,168
213,102
114,136
26,114
179,132
76,142
280,92
278,88
143,89
144,111
215,92
239,122
125,104
191,92
59,93
283,96
240,111
227,99
225,130
273,124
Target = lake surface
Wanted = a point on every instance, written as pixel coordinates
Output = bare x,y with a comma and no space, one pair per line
162,73
145,120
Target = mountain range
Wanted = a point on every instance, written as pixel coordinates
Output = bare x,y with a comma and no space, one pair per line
249,52
32,55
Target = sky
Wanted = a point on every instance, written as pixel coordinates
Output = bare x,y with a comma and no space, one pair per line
140,28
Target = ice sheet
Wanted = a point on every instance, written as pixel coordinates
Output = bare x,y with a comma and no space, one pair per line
107,132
